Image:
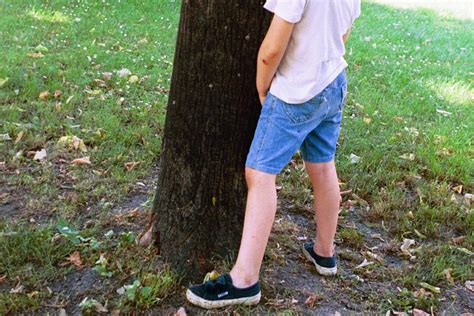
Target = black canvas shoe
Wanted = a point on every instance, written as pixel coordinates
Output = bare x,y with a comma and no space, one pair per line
221,292
324,265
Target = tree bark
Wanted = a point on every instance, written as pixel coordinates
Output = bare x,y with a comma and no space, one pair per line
211,116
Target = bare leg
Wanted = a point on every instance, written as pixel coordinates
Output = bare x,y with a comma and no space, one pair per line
259,216
326,204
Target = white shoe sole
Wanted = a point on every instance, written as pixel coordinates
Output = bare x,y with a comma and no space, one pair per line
196,300
321,270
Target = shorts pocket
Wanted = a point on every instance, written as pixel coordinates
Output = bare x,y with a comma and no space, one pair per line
302,112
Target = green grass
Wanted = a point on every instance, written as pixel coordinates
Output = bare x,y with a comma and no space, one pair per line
83,40
406,68
30,258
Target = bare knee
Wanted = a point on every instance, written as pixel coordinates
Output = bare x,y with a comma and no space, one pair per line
320,169
258,178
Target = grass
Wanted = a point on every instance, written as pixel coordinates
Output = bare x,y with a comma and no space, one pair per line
407,117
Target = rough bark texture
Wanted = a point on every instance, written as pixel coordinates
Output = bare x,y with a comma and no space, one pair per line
211,117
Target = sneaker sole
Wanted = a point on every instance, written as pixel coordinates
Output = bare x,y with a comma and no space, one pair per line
196,300
321,270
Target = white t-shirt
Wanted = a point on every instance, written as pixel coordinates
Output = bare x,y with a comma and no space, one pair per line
315,53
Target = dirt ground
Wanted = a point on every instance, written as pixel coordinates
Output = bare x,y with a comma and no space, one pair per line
288,280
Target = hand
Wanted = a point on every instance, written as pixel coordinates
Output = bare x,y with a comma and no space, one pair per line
262,98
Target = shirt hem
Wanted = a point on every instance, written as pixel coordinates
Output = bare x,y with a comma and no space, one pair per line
321,87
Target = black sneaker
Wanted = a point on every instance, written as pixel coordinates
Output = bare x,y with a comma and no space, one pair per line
324,265
221,292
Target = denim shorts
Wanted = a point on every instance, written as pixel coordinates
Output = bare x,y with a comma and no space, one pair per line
283,128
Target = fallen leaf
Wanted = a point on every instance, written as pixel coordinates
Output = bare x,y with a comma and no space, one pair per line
133,79
19,137
354,158
57,94
419,234
40,155
443,112
458,240
3,278
82,161
3,81
75,258
374,256
18,289
430,287
100,308
410,157
419,312
5,137
106,76
35,55
407,243
469,285
44,95
458,189
312,299
181,312
364,264
124,72
129,166
33,294
93,92
447,272
367,120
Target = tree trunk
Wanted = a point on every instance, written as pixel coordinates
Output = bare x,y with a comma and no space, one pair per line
211,117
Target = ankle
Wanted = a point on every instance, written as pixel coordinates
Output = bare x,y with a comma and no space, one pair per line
241,279
323,251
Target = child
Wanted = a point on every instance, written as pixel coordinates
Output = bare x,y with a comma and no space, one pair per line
302,86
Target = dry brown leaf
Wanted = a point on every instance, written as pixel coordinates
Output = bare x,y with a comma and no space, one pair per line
129,166
181,312
100,308
35,55
312,299
3,278
364,264
458,189
106,76
44,95
81,161
133,213
133,79
447,272
458,240
57,94
18,289
406,245
75,259
19,137
40,155
419,312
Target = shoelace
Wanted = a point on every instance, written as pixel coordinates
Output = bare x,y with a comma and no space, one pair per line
215,285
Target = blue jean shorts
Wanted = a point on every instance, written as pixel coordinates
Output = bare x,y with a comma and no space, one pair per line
283,128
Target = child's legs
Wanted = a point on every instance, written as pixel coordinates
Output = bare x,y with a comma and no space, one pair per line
259,217
318,151
326,204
